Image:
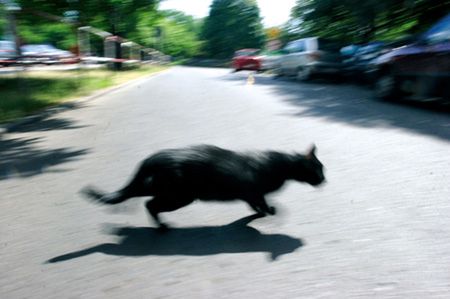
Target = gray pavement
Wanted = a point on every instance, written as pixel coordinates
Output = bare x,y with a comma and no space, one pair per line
378,229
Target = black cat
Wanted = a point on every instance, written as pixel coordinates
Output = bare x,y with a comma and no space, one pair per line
177,177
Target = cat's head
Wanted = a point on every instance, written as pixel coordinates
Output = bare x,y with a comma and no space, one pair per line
311,170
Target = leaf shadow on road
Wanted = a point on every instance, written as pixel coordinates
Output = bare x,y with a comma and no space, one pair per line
46,124
236,237
22,157
352,104
47,121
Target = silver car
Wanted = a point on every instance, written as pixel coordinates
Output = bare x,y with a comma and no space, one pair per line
46,54
307,57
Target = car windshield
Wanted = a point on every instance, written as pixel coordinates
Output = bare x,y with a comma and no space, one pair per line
370,48
38,48
296,46
246,53
272,53
440,31
329,45
4,44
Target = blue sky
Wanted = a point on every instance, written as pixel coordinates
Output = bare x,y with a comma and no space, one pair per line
274,12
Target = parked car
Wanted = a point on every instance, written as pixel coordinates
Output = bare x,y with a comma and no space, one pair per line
247,59
358,59
307,57
47,54
8,54
420,70
269,59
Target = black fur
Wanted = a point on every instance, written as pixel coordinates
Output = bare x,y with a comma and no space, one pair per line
177,177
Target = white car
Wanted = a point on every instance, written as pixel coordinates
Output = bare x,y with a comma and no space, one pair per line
47,54
307,57
8,54
269,60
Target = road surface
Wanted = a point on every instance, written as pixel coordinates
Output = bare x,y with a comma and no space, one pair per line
380,227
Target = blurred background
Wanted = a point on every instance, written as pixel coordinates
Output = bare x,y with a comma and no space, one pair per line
227,27
344,38
89,88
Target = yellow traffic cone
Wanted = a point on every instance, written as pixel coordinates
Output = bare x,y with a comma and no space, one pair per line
250,79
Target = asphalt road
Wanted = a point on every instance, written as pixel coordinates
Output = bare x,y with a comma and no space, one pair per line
380,227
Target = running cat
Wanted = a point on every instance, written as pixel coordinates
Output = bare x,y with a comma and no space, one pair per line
177,177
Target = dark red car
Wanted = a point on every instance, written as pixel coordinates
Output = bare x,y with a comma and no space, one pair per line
420,70
247,59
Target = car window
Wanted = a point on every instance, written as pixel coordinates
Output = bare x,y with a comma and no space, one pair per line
26,48
439,32
329,45
296,46
38,48
246,53
6,45
290,47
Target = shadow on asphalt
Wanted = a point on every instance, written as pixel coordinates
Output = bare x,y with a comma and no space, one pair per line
25,157
46,121
46,124
22,157
235,237
355,105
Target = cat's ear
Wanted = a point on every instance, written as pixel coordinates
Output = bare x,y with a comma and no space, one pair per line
312,152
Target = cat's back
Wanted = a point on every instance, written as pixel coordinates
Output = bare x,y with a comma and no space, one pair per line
211,172
198,156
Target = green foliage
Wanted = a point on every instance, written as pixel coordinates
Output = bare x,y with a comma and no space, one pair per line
179,35
144,33
2,21
29,92
43,22
231,25
60,35
357,21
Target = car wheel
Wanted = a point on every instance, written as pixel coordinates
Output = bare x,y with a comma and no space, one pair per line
386,87
304,74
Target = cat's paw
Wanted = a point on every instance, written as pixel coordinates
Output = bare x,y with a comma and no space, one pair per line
162,228
272,210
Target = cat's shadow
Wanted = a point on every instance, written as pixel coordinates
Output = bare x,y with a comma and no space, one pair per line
235,237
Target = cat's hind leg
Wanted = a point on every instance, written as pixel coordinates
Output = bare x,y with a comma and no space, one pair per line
256,208
161,204
259,204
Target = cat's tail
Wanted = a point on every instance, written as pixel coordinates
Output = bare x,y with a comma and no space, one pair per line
104,198
140,185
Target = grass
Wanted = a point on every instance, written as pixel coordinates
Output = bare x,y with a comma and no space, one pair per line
28,92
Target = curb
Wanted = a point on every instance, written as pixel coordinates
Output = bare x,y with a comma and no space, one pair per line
9,127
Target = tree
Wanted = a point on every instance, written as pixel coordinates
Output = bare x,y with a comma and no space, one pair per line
2,21
44,21
179,34
362,21
231,25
